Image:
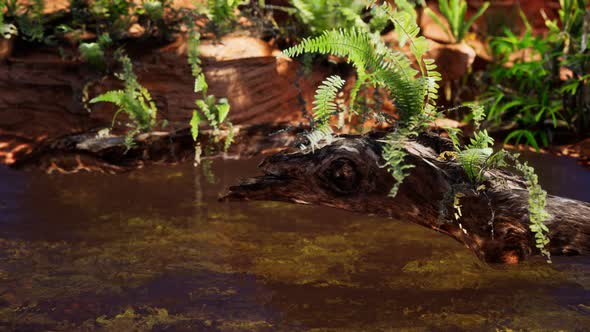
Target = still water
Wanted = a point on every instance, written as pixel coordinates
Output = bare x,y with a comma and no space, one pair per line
153,250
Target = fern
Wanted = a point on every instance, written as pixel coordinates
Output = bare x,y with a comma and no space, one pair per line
414,97
537,213
354,44
478,157
473,161
94,53
134,100
324,108
214,110
394,155
324,105
321,15
221,14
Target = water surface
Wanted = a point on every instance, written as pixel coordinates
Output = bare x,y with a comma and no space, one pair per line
153,250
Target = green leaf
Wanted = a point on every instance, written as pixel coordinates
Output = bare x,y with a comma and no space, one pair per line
114,96
195,121
468,24
201,83
222,109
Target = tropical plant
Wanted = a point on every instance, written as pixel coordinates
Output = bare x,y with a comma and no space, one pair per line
213,110
455,12
529,92
134,100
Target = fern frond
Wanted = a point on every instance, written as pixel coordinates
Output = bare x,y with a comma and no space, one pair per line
473,161
354,44
404,21
408,95
481,140
324,105
114,96
394,154
432,78
321,134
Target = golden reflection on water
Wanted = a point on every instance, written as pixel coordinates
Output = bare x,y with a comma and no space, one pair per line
154,250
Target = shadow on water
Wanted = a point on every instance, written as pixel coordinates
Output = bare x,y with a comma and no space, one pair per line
153,250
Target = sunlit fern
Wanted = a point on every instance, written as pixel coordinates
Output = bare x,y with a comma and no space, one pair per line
414,96
324,107
215,111
134,100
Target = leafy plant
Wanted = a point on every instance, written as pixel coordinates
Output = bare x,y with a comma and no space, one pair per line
455,12
376,64
528,92
414,97
476,159
94,52
324,108
322,15
214,111
537,203
222,14
134,100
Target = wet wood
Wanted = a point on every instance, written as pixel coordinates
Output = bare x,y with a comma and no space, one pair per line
94,152
347,174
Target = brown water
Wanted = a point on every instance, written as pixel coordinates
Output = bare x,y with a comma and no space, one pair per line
153,250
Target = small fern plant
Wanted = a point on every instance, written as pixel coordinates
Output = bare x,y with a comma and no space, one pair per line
455,13
537,213
214,111
133,100
413,95
478,157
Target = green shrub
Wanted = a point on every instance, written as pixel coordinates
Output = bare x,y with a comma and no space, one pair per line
528,93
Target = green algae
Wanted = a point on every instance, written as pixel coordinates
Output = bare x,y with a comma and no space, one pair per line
263,266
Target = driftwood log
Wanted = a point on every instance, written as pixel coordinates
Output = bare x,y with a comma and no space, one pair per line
347,174
93,152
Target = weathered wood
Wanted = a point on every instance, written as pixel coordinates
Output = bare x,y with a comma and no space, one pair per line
92,152
347,174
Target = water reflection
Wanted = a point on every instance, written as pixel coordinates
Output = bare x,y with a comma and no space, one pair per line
154,250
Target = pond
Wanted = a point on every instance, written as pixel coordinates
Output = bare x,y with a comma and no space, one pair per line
153,250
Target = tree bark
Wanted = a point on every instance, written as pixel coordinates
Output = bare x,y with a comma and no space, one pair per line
347,174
